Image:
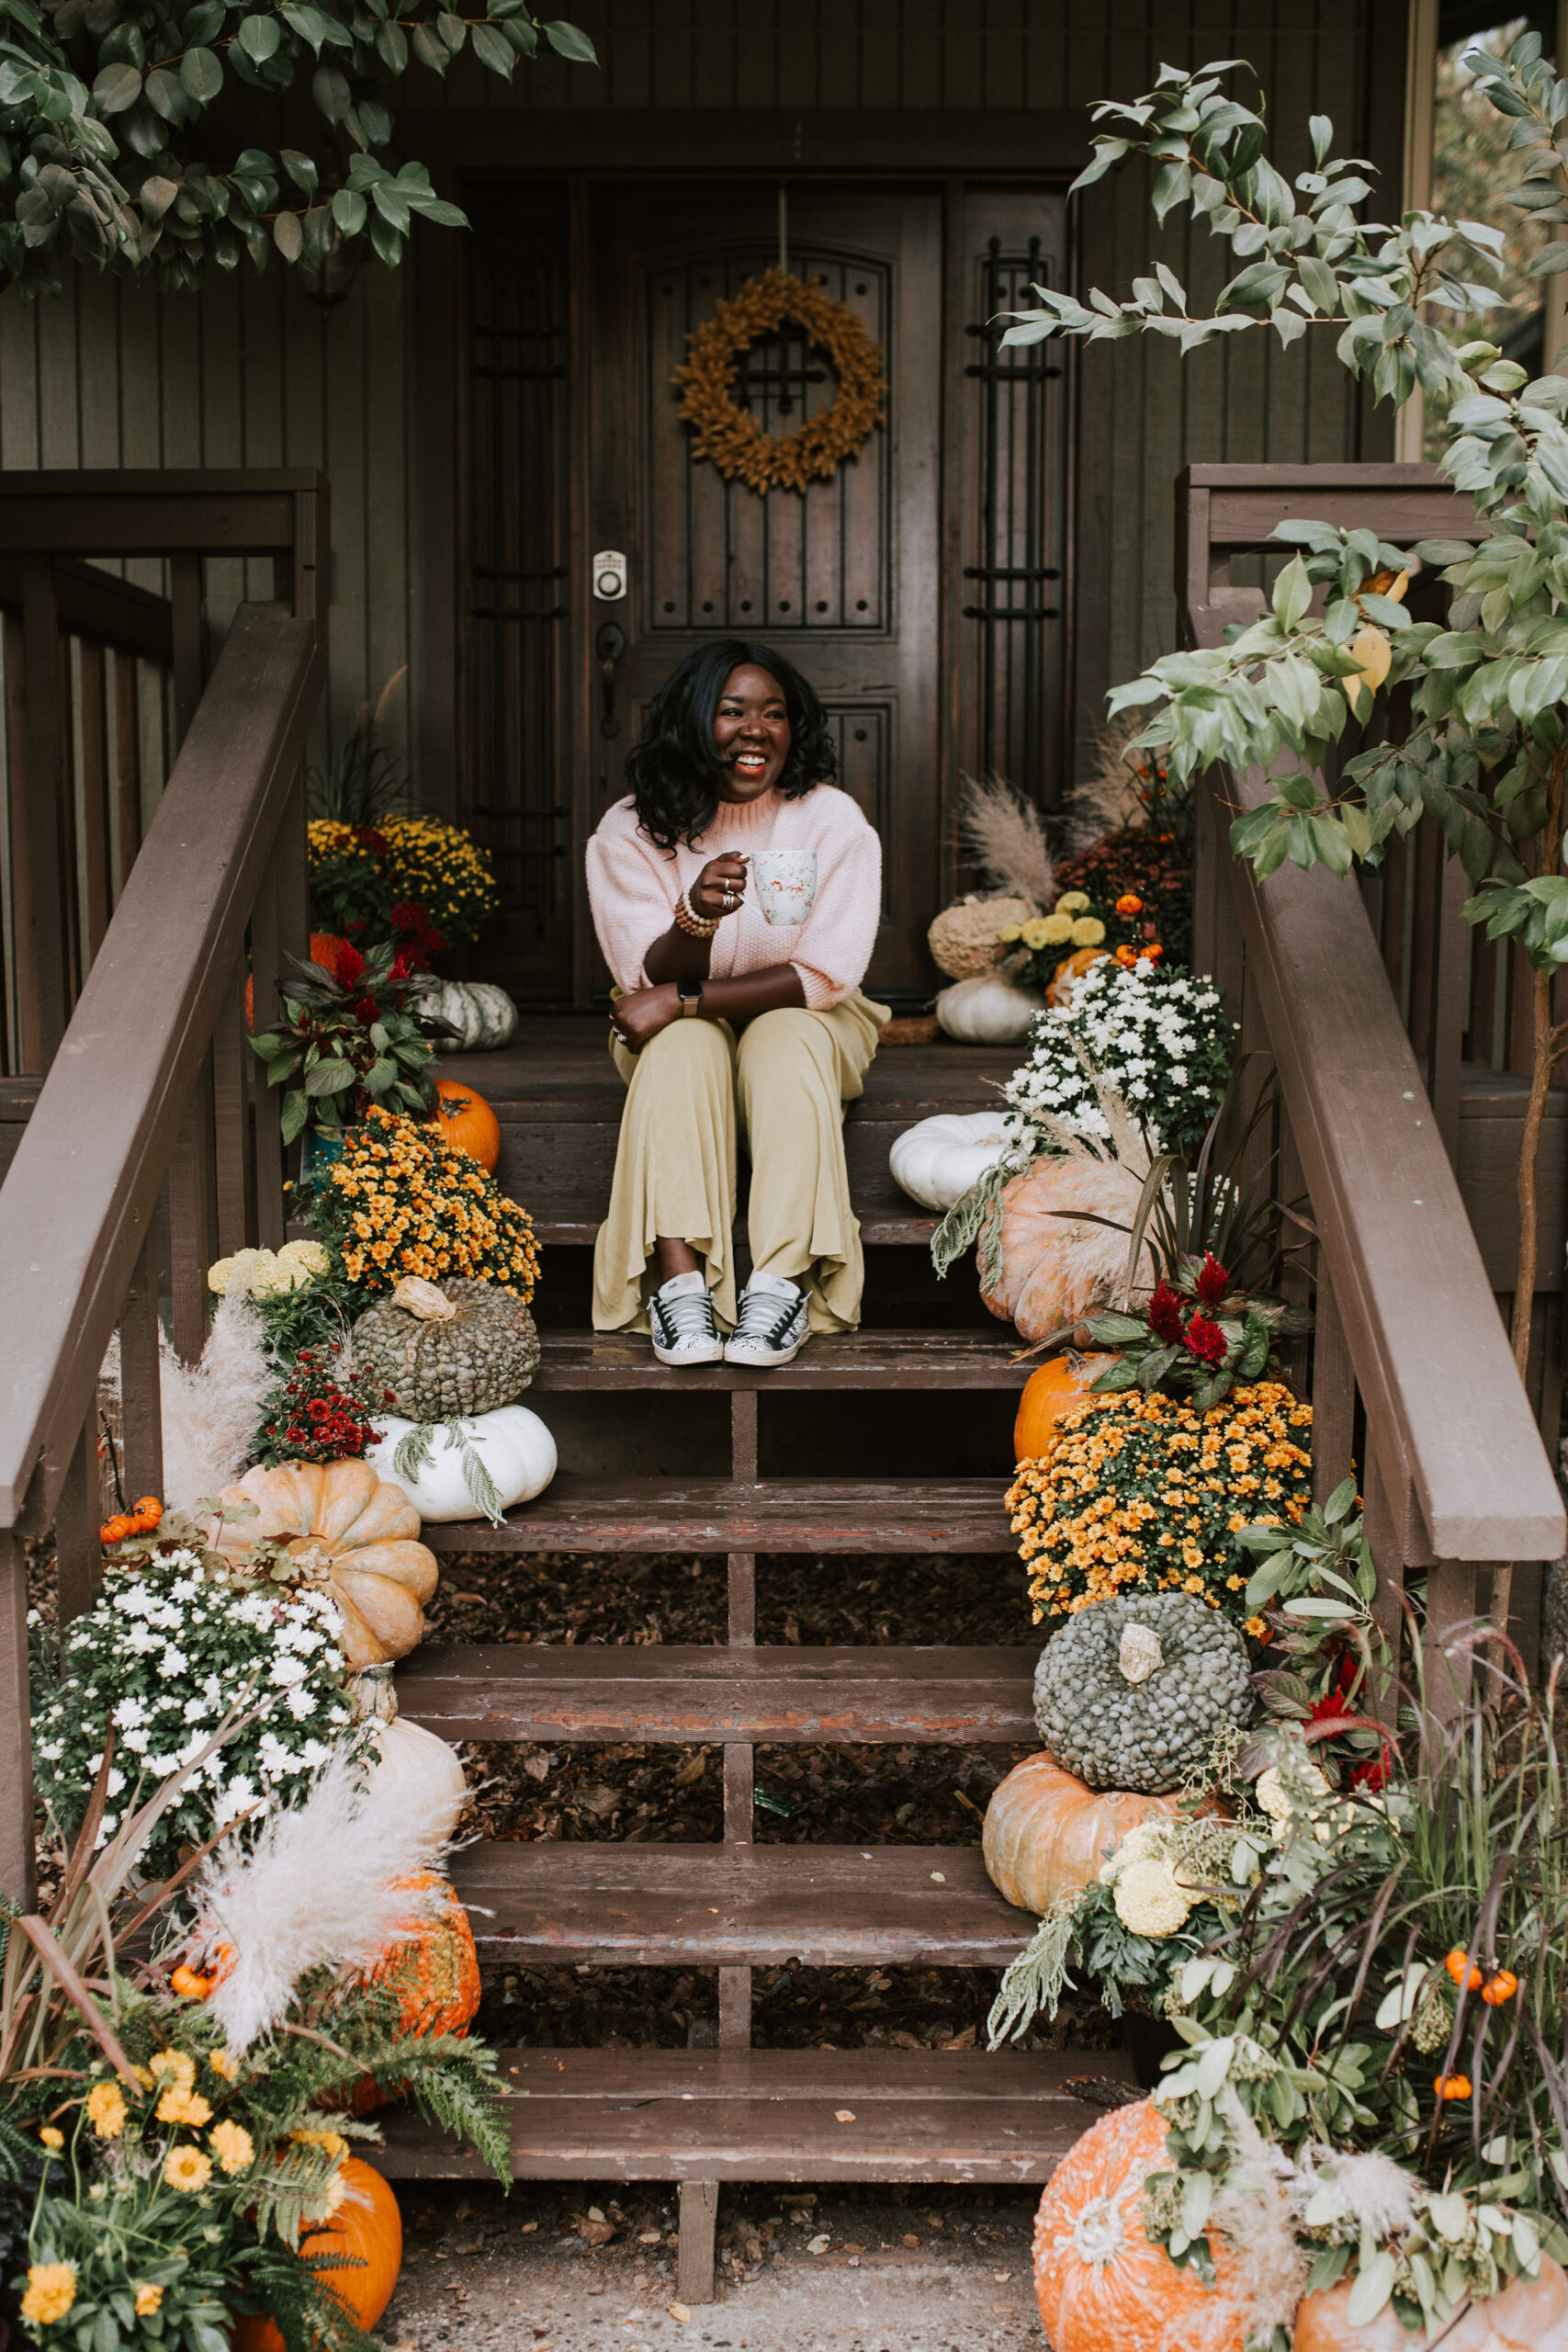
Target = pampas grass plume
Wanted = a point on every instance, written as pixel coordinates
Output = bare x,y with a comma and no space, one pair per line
1106,800
318,1890
1004,835
210,1408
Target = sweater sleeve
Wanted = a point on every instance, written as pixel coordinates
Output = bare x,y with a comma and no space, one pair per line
840,933
632,905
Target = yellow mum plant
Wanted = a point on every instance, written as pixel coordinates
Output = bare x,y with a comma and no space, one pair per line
1146,1493
399,1201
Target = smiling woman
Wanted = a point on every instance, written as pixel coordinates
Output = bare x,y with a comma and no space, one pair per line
736,893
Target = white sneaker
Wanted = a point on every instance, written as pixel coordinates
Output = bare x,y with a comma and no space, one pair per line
772,1327
680,1317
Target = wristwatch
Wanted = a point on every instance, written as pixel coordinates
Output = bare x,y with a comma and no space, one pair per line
691,995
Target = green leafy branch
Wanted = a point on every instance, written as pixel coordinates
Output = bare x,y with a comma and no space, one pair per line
138,195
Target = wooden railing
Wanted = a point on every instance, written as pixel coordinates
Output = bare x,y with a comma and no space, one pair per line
1365,998
151,1146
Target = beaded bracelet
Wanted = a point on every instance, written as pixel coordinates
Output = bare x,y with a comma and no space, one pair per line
688,919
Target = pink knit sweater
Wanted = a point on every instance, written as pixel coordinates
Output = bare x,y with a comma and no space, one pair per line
633,887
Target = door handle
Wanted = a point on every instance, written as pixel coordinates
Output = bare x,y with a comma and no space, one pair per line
609,644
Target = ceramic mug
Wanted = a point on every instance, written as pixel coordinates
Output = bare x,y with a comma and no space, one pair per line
786,883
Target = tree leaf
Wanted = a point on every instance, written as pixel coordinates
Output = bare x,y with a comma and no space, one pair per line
117,87
201,75
569,42
289,238
260,38
492,49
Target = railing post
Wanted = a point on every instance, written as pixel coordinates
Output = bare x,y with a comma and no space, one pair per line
18,1872
40,938
140,1398
190,1229
78,1557
234,1166
267,1101
185,598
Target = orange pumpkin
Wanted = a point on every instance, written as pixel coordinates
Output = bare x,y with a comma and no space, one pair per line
1057,1263
468,1123
324,945
1529,2315
1049,1393
368,2229
1046,1835
1072,968
434,1971
1101,2286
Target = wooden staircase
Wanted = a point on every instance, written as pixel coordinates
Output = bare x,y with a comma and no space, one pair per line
736,2113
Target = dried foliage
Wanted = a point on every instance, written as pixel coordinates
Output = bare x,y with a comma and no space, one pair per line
734,440
1005,836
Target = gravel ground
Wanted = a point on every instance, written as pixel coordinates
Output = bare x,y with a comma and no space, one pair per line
581,2271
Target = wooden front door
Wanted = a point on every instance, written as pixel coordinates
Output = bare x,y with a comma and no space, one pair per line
923,589
843,578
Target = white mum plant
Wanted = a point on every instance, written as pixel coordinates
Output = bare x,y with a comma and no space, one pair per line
174,1645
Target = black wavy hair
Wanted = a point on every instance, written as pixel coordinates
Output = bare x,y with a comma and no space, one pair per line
673,771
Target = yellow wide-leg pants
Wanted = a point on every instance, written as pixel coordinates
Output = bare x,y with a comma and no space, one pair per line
694,1093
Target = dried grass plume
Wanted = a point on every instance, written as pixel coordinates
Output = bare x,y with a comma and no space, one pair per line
1107,799
211,1409
1005,836
319,1890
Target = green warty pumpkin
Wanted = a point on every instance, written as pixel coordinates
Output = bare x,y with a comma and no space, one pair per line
1133,1693
479,1354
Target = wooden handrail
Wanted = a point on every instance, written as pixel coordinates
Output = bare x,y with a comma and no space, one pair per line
77,1205
94,603
1448,1424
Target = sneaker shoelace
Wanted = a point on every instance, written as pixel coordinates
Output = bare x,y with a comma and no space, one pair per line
765,1315
689,1315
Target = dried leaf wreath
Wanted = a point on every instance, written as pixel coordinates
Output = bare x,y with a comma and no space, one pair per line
734,442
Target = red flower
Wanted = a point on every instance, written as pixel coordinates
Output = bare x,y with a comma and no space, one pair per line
369,838
366,1011
1206,1340
1164,1314
1213,1281
350,965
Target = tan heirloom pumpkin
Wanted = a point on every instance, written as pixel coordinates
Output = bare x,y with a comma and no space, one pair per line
1055,1268
1529,2315
1046,1835
350,1530
1101,2284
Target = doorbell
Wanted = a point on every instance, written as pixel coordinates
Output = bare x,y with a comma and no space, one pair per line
609,576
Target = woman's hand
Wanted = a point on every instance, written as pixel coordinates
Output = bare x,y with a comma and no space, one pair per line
637,1017
720,887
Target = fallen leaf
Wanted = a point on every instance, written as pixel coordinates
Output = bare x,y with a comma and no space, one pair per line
1002,2276
536,1766
649,2237
911,2241
691,1769
964,2041
843,2115
818,2246
939,1878
596,2232
678,2310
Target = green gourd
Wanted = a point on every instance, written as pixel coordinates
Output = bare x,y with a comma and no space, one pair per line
1133,1693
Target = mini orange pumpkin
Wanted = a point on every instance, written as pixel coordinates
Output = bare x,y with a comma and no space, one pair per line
1046,1833
1101,2286
434,1971
1072,968
367,2228
468,1123
1054,1390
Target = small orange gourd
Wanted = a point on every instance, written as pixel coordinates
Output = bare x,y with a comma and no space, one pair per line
1054,1390
367,2228
434,1971
1046,1835
468,1123
1101,2286
1072,968
1499,1988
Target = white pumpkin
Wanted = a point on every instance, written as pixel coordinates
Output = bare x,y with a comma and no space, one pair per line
483,1015
937,1160
425,1773
988,1011
443,1464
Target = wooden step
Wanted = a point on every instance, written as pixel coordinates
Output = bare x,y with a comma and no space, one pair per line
698,1515
945,1359
572,1219
867,1696
881,2115
619,1905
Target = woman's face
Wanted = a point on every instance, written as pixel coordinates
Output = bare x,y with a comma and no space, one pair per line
750,733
